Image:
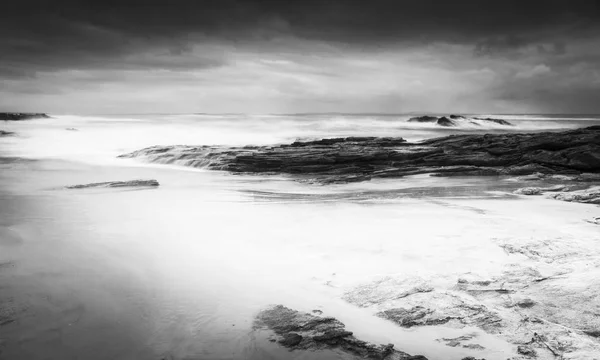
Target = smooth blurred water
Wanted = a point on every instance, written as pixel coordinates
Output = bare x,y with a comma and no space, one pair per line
179,272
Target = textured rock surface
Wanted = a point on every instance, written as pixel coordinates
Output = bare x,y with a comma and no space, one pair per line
587,196
545,300
116,184
22,116
362,158
303,331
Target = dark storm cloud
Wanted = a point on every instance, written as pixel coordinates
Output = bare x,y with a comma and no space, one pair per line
92,32
512,45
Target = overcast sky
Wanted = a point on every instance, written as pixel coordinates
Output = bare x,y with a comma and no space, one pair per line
300,56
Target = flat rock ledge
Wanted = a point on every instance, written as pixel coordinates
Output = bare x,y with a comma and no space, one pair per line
6,116
342,160
302,331
117,184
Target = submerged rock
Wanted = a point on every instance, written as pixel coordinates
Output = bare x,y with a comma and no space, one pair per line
341,160
22,116
303,331
112,184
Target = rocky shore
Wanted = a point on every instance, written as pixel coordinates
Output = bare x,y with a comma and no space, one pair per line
341,160
7,116
303,331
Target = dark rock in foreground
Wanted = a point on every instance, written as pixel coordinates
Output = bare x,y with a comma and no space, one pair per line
117,184
349,159
303,331
22,116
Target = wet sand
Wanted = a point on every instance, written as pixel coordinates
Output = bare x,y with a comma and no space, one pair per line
181,271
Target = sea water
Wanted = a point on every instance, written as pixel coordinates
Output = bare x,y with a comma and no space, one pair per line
180,271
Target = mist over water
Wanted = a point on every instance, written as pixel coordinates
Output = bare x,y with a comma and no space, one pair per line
179,272
100,139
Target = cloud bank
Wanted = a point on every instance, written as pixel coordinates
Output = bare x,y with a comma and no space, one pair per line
309,56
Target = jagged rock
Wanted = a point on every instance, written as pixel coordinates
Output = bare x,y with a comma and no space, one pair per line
111,184
444,121
342,160
303,331
22,116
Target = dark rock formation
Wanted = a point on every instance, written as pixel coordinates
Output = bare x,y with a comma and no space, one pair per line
497,121
117,184
423,119
6,133
303,331
363,158
22,116
444,121
454,120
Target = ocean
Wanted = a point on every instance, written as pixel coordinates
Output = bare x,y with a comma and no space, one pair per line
180,271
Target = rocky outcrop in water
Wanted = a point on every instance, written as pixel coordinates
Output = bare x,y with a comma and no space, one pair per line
497,121
303,331
349,159
6,133
6,116
117,184
456,120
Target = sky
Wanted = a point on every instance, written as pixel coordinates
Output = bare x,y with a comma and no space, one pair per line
225,56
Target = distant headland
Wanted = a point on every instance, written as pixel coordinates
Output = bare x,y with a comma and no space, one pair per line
10,116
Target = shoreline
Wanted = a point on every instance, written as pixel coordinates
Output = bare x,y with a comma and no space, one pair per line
543,260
